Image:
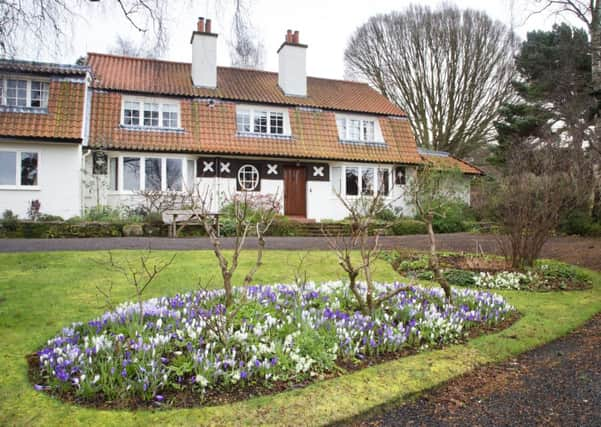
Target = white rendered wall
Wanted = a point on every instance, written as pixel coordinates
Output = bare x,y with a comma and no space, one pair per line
292,74
59,183
204,60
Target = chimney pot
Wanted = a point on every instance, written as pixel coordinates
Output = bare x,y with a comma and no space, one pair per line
289,36
295,37
200,26
208,26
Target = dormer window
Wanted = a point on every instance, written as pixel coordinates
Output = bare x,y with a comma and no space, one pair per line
358,129
259,121
23,93
148,113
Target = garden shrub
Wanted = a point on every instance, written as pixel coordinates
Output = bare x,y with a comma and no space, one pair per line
454,218
9,220
283,226
404,226
577,222
459,277
386,215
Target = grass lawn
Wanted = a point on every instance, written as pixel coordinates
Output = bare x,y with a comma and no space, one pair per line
42,292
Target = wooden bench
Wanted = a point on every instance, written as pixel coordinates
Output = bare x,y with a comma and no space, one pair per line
184,217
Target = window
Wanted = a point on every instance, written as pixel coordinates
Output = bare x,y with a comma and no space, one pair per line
190,175
362,180
276,123
18,168
261,122
359,130
384,181
174,174
131,173
248,177
243,121
352,181
152,174
29,169
367,181
23,93
170,116
150,114
114,173
8,168
131,114
336,180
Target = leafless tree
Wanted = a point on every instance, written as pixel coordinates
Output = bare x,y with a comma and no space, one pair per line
539,187
139,274
246,49
255,212
448,69
127,47
431,190
44,22
364,238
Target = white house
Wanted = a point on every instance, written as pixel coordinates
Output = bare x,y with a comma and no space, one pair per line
159,125
41,132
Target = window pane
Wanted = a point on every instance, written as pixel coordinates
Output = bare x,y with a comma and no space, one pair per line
170,113
368,130
352,181
248,178
174,174
243,121
39,94
190,176
341,123
336,180
261,121
8,167
151,115
114,173
153,174
367,181
354,130
384,181
131,114
16,93
276,123
29,168
131,173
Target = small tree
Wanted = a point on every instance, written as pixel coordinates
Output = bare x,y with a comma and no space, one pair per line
540,186
139,274
431,191
249,211
362,215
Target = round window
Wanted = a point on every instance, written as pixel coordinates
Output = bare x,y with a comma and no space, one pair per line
248,177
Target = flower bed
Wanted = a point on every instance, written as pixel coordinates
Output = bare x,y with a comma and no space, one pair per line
492,272
277,336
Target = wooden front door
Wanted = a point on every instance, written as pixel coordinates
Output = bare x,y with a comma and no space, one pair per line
295,191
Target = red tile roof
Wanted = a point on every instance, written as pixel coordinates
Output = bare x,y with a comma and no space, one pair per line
448,161
174,78
63,119
213,130
18,66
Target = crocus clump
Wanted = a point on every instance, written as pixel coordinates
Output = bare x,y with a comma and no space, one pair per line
272,334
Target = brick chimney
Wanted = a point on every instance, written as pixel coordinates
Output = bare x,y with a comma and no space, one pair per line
204,55
292,75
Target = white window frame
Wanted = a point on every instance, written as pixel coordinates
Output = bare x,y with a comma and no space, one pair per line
142,183
18,185
253,170
254,110
360,168
4,86
343,125
161,102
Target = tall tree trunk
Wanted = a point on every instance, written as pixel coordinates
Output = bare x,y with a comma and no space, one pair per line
595,35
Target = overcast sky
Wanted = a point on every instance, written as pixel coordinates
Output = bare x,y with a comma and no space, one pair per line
325,25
